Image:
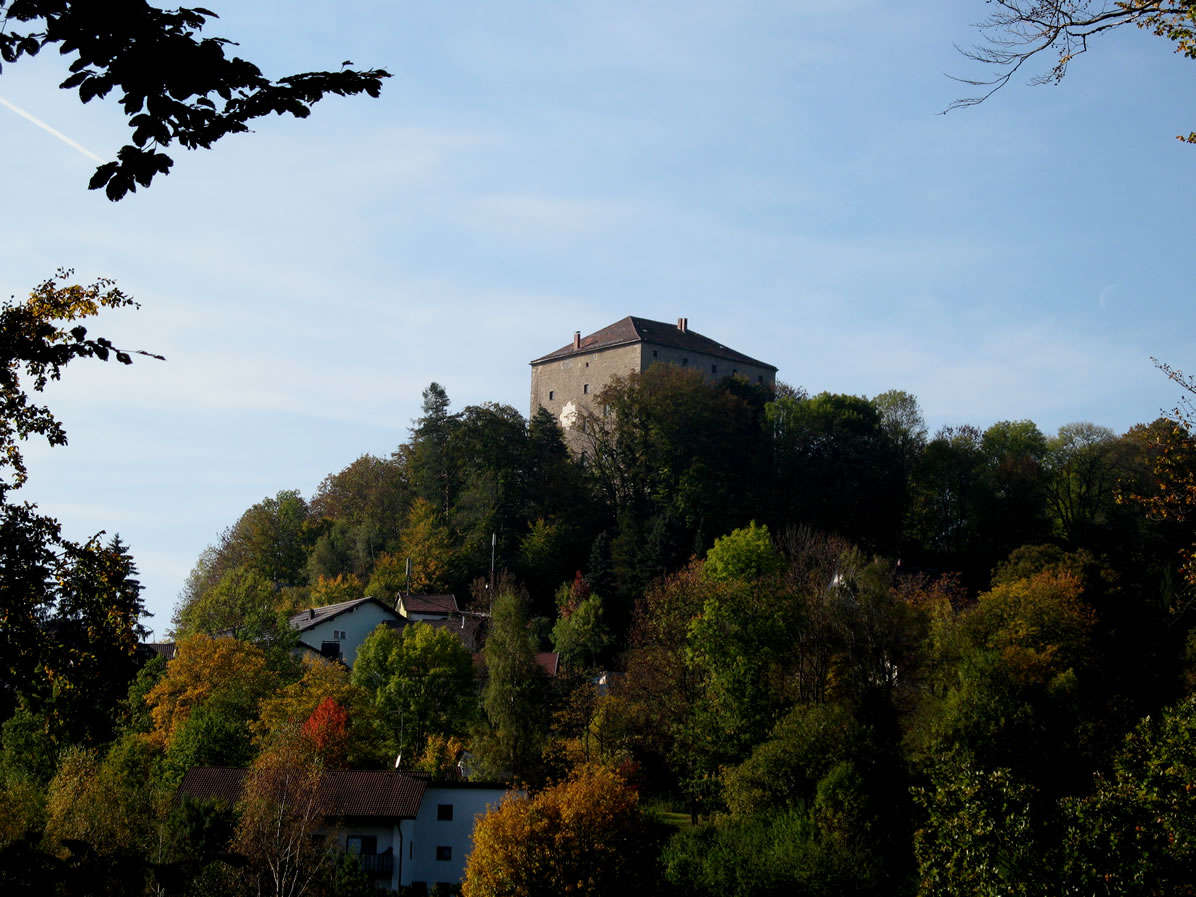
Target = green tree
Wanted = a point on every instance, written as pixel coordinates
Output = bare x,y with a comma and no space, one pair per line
172,84
421,681
742,554
514,696
981,834
1136,833
835,468
581,635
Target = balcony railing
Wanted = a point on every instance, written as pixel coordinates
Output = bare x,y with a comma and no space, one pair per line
379,865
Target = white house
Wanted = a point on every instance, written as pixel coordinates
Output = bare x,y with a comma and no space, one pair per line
336,631
406,829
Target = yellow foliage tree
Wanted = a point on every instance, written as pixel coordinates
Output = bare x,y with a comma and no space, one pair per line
226,672
427,542
293,705
585,836
342,587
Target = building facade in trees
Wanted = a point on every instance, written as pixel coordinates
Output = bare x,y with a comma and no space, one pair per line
565,382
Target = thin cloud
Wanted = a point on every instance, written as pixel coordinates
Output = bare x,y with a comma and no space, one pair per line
52,131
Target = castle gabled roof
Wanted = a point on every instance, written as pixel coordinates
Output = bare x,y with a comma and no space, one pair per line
640,330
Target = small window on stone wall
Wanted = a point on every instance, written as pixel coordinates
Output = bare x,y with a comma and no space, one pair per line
550,395
585,388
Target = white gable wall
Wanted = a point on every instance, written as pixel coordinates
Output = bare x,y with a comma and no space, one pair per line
431,832
356,623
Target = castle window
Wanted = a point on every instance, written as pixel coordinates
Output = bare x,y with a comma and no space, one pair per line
550,395
585,388
587,364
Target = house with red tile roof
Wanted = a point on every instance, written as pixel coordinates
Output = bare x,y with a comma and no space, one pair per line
406,829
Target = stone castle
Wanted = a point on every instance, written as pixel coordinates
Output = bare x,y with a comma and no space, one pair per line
565,382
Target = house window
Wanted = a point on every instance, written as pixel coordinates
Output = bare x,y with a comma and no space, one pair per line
734,371
654,353
585,388
714,368
444,852
760,379
550,395
684,362
444,812
338,635
361,845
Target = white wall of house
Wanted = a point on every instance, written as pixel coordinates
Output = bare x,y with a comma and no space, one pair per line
349,629
431,862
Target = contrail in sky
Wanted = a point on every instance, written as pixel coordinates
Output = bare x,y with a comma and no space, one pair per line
45,127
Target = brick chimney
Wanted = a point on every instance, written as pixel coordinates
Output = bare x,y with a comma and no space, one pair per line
576,339
683,325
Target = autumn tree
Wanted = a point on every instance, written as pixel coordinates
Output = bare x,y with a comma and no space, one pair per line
428,543
584,836
50,586
281,815
296,703
173,85
224,673
1020,32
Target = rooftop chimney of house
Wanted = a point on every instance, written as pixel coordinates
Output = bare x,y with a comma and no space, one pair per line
576,339
683,325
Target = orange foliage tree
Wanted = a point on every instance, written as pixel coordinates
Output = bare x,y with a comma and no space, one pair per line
585,836
223,672
322,681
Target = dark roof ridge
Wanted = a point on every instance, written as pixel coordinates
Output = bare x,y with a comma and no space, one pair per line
632,329
306,619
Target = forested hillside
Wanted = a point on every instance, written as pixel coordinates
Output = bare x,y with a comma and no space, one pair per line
805,647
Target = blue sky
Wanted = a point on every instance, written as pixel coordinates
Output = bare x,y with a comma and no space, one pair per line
776,172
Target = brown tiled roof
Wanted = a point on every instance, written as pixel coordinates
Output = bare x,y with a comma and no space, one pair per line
641,330
430,604
467,629
165,650
367,792
308,618
219,782
549,662
348,792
